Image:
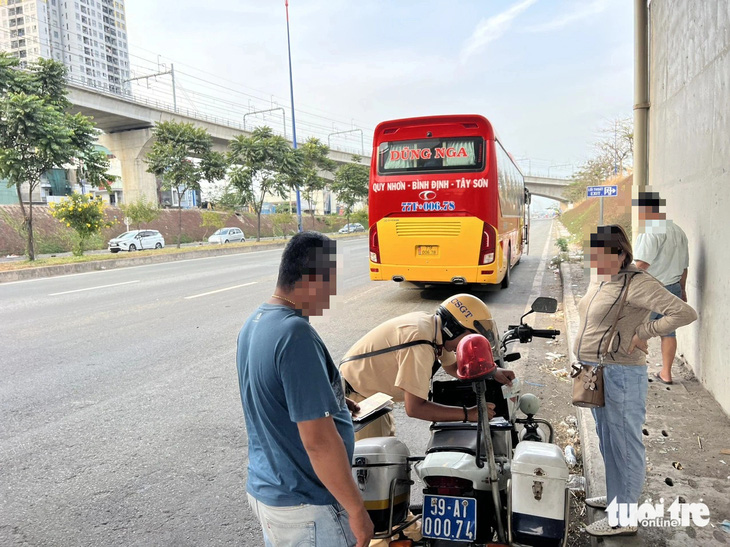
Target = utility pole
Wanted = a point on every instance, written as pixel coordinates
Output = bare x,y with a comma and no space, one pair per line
171,72
283,114
615,148
362,138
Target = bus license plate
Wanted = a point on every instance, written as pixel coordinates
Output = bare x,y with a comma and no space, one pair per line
427,250
449,517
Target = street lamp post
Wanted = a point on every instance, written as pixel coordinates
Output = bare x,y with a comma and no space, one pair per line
293,121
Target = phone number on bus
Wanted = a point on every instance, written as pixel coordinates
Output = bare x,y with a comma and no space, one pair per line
413,206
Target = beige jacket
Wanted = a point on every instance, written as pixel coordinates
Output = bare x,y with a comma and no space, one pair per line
599,306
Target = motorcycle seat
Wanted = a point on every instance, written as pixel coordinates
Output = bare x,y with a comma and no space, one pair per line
453,437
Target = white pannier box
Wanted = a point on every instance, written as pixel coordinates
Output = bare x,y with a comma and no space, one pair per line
538,494
380,465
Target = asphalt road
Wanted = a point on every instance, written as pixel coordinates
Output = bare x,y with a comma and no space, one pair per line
121,418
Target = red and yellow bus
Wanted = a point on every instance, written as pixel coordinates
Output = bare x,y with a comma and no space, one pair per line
447,204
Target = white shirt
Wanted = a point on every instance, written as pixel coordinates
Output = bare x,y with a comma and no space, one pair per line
664,247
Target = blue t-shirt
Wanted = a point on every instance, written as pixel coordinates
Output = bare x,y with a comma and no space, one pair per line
286,375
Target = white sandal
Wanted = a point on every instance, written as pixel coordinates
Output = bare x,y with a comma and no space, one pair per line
599,502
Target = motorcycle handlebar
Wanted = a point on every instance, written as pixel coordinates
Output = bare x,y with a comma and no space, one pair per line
545,333
525,333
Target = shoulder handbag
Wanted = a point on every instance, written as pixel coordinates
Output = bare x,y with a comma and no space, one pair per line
588,378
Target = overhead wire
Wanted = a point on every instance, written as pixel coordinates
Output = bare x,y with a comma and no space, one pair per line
193,97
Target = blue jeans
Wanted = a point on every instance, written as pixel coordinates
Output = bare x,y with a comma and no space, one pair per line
676,290
618,425
303,525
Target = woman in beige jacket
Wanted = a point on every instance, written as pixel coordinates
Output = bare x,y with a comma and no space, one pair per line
619,422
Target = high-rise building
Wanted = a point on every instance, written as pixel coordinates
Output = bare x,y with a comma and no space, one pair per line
88,36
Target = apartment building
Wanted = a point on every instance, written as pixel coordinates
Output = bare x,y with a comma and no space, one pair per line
88,36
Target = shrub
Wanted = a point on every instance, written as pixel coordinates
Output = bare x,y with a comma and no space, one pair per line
562,244
82,213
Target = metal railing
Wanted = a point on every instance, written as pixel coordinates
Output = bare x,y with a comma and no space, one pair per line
127,96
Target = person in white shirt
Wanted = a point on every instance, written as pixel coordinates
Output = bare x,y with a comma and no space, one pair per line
663,251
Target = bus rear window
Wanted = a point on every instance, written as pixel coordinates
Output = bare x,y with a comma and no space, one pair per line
431,155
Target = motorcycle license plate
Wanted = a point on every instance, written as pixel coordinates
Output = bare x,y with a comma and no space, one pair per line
449,517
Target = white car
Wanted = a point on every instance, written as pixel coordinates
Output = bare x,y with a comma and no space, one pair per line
227,235
137,240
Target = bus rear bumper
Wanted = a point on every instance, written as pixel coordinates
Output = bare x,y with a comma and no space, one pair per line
457,275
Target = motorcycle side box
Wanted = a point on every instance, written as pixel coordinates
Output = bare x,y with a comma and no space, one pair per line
538,494
379,464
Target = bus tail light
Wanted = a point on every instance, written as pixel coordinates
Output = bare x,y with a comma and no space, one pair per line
374,245
486,251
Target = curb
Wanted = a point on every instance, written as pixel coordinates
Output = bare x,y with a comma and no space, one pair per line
593,469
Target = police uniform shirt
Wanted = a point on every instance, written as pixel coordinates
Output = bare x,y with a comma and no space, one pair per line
408,369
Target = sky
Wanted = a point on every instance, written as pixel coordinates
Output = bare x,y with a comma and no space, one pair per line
548,74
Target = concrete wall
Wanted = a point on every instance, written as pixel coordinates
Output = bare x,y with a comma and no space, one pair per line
689,163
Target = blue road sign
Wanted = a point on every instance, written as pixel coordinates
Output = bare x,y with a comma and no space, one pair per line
602,191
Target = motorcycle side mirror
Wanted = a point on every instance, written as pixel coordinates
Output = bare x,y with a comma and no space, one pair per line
512,357
544,304
474,358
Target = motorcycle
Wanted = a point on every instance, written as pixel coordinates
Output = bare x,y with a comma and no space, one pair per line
506,487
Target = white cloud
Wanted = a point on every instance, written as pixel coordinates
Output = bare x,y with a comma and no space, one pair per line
594,8
489,30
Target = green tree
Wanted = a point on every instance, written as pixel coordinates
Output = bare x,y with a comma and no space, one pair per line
351,184
140,211
280,221
261,164
361,216
593,172
613,153
82,213
314,159
214,220
285,207
37,133
182,156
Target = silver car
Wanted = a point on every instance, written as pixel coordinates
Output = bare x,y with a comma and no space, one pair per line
354,227
137,240
227,235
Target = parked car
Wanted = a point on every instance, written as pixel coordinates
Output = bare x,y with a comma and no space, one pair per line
227,235
137,240
352,227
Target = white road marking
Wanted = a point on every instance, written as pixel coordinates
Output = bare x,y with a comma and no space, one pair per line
537,283
127,268
220,290
93,288
360,295
535,292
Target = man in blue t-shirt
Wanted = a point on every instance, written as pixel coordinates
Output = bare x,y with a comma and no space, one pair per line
300,435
